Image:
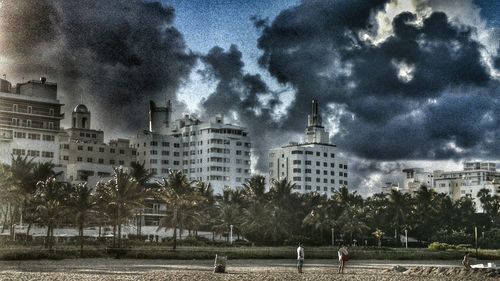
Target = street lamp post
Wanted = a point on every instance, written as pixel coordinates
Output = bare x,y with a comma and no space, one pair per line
475,237
231,234
406,238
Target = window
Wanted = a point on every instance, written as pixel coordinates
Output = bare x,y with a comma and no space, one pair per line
80,147
325,155
121,162
341,174
14,107
332,165
345,166
325,164
177,145
111,162
318,153
325,181
318,180
79,159
308,162
101,149
90,148
238,152
112,150
332,155
345,175
325,172
318,188
89,160
30,109
318,172
297,152
164,162
153,152
122,151
308,179
153,143
309,152
100,160
308,171
15,122
51,125
28,123
332,181
308,187
51,112
165,153
176,154
297,170
332,173
340,166
65,157
153,161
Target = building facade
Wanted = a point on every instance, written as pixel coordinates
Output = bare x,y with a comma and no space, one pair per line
313,166
210,151
474,177
30,116
84,156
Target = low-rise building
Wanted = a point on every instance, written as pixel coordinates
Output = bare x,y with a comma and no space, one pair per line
84,156
474,177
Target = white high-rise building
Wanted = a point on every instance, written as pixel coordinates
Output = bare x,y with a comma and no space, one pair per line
210,151
30,115
313,166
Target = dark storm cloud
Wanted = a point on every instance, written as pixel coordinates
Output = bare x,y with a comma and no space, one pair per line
439,104
243,93
111,55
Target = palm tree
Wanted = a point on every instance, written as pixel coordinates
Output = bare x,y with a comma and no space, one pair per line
143,176
397,210
255,188
228,214
320,218
255,222
9,197
352,221
125,195
51,205
81,204
182,200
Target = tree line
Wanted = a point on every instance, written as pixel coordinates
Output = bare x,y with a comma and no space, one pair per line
276,216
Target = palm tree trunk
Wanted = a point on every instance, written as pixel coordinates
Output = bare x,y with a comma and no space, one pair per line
28,231
114,235
175,238
47,237
80,232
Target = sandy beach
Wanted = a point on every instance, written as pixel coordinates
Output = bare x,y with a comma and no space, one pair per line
110,269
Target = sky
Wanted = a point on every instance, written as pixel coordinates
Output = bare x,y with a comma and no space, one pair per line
401,83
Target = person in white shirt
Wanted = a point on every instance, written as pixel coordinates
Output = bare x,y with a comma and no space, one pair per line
343,257
300,257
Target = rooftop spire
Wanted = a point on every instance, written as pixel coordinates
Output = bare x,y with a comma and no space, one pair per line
314,119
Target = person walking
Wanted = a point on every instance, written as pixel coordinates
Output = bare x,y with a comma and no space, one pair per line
466,261
343,257
300,258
